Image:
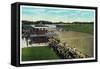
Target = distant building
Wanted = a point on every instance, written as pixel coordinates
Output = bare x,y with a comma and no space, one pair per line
51,27
38,34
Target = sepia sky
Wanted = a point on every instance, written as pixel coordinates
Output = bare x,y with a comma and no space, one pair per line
33,13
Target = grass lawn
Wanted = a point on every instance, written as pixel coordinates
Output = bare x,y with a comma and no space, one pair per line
38,53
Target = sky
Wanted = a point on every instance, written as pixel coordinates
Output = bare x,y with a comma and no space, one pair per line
55,14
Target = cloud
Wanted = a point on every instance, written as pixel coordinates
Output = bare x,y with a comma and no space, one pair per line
57,14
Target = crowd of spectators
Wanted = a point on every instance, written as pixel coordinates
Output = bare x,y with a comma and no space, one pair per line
63,50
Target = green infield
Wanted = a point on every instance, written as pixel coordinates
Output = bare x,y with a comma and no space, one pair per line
84,28
38,53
